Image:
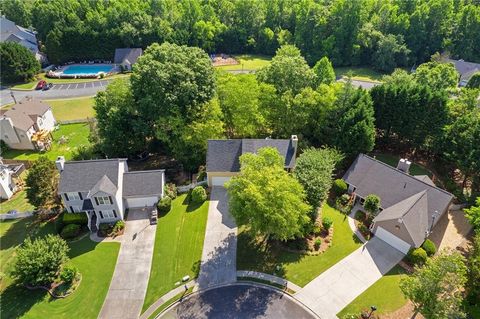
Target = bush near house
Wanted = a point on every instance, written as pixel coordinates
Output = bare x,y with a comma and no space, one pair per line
70,231
118,227
68,274
171,190
429,247
75,218
372,203
198,195
327,223
339,187
164,205
417,256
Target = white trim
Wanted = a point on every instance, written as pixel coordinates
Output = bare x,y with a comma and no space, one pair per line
392,240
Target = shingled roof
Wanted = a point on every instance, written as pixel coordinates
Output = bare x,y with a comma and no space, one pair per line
223,155
25,113
127,55
143,183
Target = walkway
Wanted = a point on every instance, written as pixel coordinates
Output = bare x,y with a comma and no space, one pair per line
268,277
330,292
130,278
220,245
351,223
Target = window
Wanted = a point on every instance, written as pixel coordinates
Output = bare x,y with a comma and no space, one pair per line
108,214
73,196
103,200
75,209
40,122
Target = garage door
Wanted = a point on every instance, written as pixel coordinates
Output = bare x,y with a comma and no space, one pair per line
142,201
392,240
219,181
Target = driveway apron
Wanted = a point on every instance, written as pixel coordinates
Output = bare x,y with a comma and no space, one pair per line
220,245
334,289
132,271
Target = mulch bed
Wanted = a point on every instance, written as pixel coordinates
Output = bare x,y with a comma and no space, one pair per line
54,287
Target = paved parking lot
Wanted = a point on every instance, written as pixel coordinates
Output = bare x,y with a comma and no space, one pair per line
86,85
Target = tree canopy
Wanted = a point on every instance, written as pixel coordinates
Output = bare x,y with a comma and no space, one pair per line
42,183
473,214
18,63
324,71
266,198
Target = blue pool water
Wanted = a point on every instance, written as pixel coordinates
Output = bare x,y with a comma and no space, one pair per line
87,69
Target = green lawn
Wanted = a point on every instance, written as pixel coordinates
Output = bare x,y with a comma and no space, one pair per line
359,73
31,85
385,294
297,268
248,62
76,135
178,247
72,109
18,202
392,160
95,262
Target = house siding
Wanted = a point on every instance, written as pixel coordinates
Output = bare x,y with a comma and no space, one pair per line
103,207
401,232
47,121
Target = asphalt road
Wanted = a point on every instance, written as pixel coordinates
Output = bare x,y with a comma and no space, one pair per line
240,301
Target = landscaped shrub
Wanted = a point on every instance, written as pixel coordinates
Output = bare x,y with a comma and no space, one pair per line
118,227
75,218
297,244
429,247
171,190
68,274
105,229
164,205
327,223
317,243
363,229
198,195
417,256
317,230
339,187
202,174
70,231
372,203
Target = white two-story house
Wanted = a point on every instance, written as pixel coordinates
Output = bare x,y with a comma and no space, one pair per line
103,189
27,125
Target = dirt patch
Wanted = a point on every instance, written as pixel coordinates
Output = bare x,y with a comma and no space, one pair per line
405,312
223,59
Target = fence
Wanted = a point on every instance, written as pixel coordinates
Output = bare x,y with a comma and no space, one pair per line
186,188
26,163
85,120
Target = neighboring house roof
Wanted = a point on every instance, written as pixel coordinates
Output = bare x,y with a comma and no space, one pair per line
465,69
143,183
127,55
223,155
9,31
84,176
425,178
393,186
25,113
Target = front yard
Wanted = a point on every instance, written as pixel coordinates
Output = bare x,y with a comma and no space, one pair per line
95,262
72,109
73,136
297,268
178,247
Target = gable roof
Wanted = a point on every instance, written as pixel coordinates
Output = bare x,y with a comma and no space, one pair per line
25,113
143,183
465,69
393,186
9,28
104,185
128,55
223,155
84,176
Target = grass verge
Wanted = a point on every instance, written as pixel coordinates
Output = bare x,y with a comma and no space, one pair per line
178,247
170,302
17,202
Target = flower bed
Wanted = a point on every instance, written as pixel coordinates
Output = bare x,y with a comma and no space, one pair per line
111,229
362,222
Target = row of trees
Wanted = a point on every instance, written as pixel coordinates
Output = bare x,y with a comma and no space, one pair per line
382,33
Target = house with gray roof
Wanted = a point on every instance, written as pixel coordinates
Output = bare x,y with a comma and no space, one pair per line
223,155
10,32
126,57
410,206
465,69
104,188
27,125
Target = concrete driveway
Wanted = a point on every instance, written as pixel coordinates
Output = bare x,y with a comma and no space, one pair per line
132,271
330,292
219,254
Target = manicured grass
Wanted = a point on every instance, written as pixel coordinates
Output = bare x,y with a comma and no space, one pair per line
359,73
392,160
248,62
385,294
178,247
18,202
31,85
76,135
72,109
95,262
297,268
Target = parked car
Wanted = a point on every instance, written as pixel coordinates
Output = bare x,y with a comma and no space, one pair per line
47,87
40,85
153,217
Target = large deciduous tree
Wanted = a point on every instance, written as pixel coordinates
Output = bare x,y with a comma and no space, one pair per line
324,71
436,289
42,184
18,63
438,76
473,214
266,198
473,266
314,170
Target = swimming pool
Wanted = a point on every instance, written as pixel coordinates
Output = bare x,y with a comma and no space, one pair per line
84,69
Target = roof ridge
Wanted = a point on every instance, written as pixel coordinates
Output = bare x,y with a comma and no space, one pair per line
145,171
402,172
423,193
97,160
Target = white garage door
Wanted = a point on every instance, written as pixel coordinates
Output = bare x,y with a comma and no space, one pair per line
219,181
142,201
392,240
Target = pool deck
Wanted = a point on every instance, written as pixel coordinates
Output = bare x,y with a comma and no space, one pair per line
85,69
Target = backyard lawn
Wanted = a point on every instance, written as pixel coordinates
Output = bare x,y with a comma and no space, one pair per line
18,202
297,268
247,62
72,109
385,294
178,247
359,73
74,134
392,160
95,262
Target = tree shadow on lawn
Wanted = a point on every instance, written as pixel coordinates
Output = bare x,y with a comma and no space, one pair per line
17,300
81,247
21,229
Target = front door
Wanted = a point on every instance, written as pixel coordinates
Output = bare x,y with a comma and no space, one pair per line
93,221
